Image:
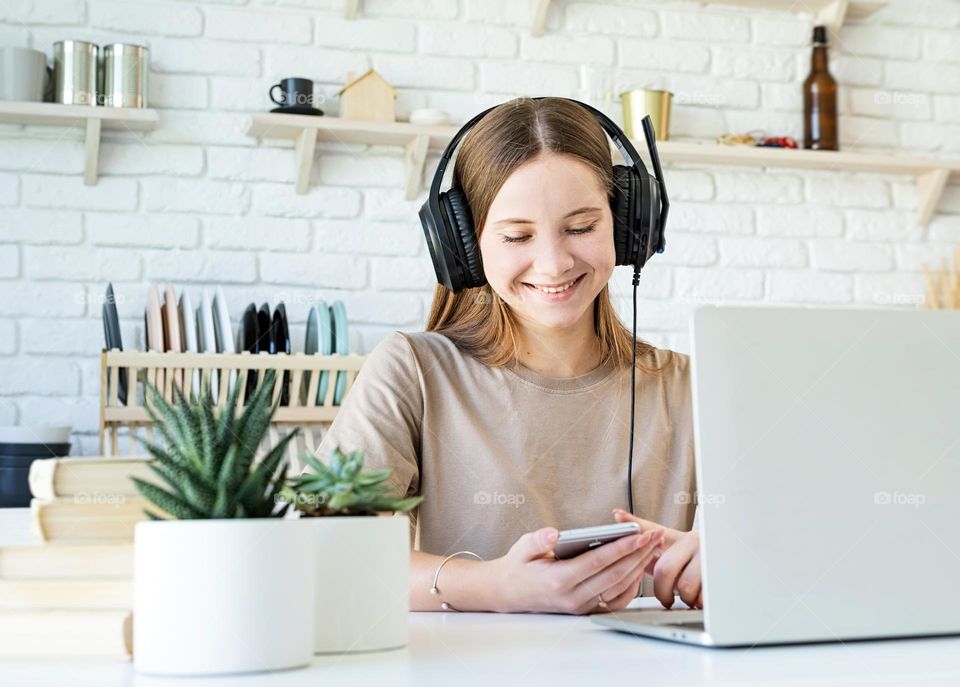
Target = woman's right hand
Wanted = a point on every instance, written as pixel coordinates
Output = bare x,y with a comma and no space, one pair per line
530,579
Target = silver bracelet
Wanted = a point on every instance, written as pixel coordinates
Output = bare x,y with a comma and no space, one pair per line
434,590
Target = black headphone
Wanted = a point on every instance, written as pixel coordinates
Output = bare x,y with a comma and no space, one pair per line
639,205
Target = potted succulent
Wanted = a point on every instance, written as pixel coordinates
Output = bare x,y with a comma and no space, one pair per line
363,561
223,583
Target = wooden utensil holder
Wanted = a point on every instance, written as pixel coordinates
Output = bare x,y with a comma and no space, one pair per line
302,372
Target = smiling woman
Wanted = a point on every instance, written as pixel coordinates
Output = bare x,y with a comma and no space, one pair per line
508,415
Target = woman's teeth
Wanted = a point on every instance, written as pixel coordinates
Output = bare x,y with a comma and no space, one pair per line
558,289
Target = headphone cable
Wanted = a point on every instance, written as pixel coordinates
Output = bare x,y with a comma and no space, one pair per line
633,391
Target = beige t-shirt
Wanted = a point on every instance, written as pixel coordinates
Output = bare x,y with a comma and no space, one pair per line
497,452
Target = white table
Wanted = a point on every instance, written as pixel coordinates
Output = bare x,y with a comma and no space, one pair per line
494,650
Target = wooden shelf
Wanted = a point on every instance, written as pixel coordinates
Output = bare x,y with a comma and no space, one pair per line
931,174
831,13
306,130
91,118
540,9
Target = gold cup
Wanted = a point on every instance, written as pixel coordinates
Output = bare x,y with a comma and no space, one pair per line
646,101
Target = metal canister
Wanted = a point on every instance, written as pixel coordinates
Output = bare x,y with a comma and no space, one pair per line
646,101
75,72
125,69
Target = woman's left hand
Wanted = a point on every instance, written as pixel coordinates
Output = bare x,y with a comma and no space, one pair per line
678,565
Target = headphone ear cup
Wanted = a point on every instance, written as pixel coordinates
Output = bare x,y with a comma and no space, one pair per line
464,232
648,222
621,207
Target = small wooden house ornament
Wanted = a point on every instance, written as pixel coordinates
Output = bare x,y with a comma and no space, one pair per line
368,98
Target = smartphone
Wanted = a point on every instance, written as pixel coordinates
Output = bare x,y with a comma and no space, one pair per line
571,543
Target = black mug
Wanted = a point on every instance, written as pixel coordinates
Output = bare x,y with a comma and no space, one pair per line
295,92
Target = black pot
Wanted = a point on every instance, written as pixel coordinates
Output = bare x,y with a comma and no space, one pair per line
17,461
14,486
35,450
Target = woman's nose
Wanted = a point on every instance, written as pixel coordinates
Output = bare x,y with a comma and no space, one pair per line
553,259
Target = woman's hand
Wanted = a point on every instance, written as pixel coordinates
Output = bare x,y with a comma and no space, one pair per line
677,564
530,579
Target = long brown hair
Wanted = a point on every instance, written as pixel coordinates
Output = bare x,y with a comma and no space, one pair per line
476,319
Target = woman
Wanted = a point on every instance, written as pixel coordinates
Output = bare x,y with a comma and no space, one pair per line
509,414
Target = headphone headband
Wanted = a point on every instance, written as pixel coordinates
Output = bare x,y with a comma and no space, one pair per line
623,144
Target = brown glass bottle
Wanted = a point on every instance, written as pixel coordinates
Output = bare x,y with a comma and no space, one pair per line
820,99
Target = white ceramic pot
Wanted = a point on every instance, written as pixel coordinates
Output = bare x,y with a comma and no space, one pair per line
363,582
223,596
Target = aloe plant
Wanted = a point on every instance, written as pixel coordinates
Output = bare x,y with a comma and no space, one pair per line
342,488
206,463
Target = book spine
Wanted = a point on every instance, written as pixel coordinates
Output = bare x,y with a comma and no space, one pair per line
42,477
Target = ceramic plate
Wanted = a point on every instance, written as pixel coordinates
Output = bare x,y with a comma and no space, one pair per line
264,342
298,109
174,340
156,332
111,330
281,330
248,329
310,342
223,331
342,343
325,328
207,339
154,321
174,337
188,335
265,327
281,344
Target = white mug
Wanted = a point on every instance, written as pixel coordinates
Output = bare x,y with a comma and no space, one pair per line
23,74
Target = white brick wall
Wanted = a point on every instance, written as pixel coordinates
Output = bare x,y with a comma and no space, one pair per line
200,203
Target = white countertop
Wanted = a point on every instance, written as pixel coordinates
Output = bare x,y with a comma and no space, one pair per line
499,649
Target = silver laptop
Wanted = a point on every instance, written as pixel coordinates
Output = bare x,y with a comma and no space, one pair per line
828,469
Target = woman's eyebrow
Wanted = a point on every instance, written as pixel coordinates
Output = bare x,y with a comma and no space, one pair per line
572,213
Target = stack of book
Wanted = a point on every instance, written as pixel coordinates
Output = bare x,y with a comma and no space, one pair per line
72,595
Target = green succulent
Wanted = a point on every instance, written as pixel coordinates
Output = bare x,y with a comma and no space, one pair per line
206,462
342,488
